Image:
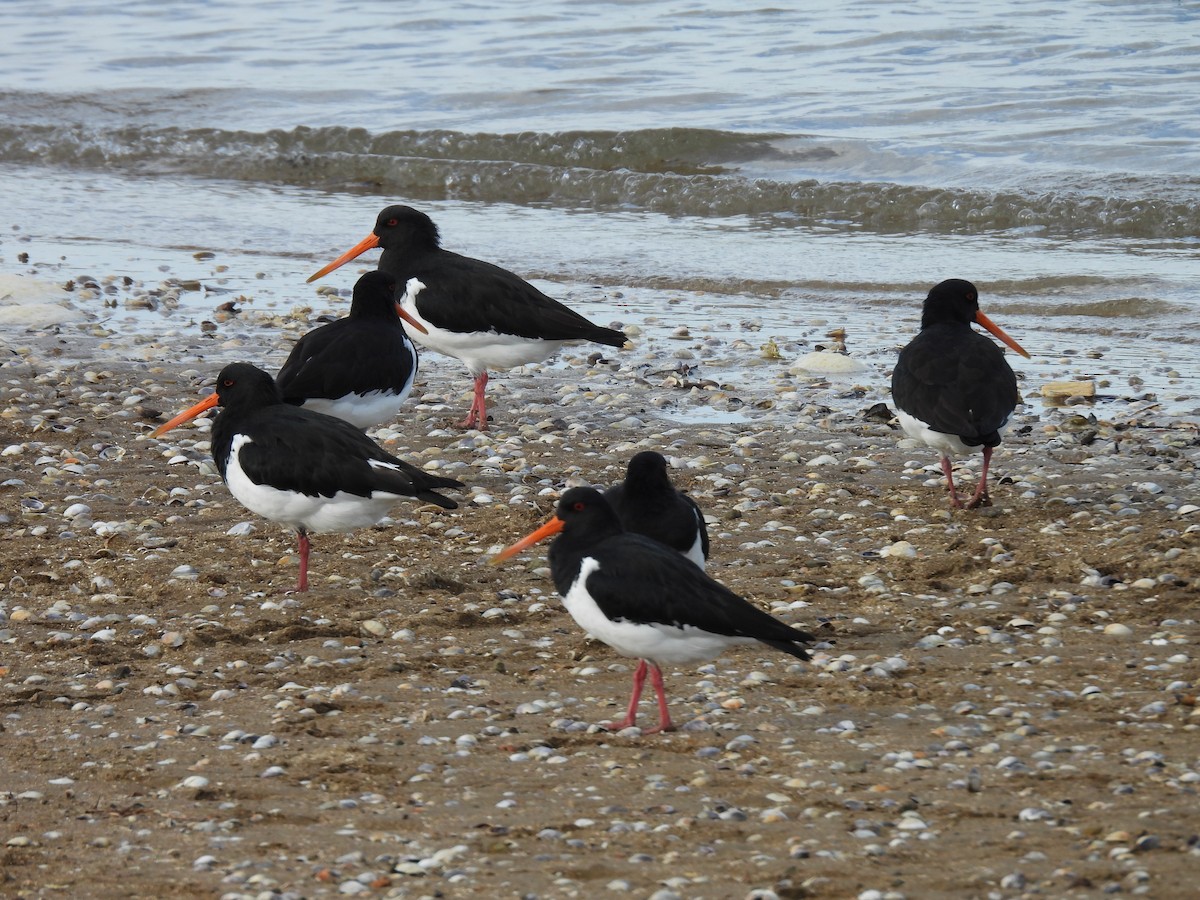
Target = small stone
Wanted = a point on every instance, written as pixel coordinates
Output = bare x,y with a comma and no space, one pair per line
1013,882
974,781
899,550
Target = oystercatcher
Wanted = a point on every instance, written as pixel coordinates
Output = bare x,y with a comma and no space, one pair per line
360,368
303,469
647,503
472,310
645,600
953,388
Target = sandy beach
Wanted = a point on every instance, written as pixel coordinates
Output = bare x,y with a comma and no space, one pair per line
1003,704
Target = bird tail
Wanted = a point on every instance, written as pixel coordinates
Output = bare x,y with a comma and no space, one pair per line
431,496
792,646
609,336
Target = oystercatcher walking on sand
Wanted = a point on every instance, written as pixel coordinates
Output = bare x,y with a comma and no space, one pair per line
472,310
360,368
306,470
952,387
644,599
647,503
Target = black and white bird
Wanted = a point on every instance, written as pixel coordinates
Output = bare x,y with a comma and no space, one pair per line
647,503
952,386
469,309
311,472
644,599
360,368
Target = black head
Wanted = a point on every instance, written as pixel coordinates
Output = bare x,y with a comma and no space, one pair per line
648,467
244,386
240,387
584,510
953,300
374,293
401,226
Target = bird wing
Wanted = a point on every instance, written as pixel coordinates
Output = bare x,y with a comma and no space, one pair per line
299,450
300,356
641,580
671,517
346,360
956,382
473,295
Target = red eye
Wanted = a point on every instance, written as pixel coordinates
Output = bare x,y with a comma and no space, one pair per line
392,223
228,382
578,507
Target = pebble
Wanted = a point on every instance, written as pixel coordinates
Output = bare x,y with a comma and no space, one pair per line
916,684
899,550
1014,881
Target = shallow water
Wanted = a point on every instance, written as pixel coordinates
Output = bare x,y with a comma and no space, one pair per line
792,168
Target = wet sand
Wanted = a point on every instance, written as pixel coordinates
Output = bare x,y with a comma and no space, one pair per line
1003,704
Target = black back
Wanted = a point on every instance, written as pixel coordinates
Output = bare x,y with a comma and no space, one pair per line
369,350
950,376
294,449
464,294
647,503
642,581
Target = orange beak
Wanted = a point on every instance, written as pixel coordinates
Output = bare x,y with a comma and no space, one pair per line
187,415
551,528
402,314
370,242
999,332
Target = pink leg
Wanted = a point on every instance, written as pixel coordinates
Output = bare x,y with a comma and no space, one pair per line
639,679
981,497
948,469
478,412
302,584
664,716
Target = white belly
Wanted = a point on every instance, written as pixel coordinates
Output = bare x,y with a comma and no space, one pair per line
480,350
341,512
696,552
361,410
659,643
945,444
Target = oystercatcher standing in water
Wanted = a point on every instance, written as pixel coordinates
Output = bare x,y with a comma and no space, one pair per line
644,599
360,368
647,503
469,309
953,388
306,470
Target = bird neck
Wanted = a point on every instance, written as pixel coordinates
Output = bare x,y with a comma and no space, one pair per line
646,493
376,308
223,430
400,252
569,550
